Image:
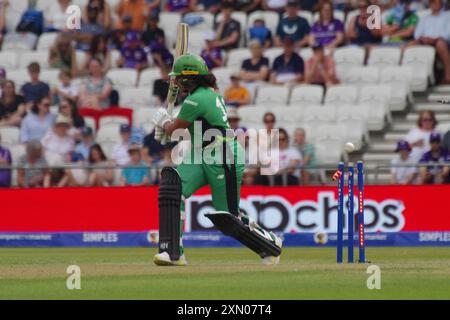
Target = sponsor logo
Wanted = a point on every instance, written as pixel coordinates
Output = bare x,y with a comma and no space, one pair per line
100,237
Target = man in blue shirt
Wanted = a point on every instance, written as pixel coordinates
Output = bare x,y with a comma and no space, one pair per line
289,67
437,154
87,141
293,27
35,89
135,173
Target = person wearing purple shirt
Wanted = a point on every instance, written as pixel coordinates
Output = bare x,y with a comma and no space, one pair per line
212,55
133,54
435,174
327,31
5,160
182,6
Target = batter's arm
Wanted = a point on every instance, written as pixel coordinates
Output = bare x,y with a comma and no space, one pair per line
177,123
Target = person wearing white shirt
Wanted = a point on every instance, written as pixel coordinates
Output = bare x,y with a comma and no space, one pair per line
57,140
419,137
406,174
56,17
120,153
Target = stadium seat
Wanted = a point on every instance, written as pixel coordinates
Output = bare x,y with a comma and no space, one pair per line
355,118
376,98
112,120
10,136
90,122
398,78
319,114
306,53
248,112
341,94
305,14
273,53
196,41
46,40
236,57
17,151
271,19
80,56
109,133
359,76
347,57
107,147
123,78
51,76
115,55
8,59
306,94
40,57
272,95
328,150
53,159
168,21
148,76
384,56
223,77
20,77
43,5
143,118
206,24
421,59
136,98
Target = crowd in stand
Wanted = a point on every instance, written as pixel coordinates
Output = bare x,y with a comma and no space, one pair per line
131,28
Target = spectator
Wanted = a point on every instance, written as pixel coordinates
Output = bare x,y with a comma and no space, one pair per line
102,174
120,153
98,49
118,36
154,6
446,142
37,122
153,34
181,6
276,5
327,31
211,6
137,10
62,55
269,121
288,67
435,174
133,54
104,17
2,78
69,109
5,160
161,86
66,89
57,140
77,176
236,95
96,88
407,174
307,152
12,105
228,30
400,24
433,30
35,89
320,68
255,68
89,29
292,27
212,55
87,141
33,172
260,32
233,120
358,31
312,5
161,55
3,5
55,15
419,137
135,173
247,6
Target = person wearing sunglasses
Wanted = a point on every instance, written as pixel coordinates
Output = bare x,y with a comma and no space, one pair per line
419,137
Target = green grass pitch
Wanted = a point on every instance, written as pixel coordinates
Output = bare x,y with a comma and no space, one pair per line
219,273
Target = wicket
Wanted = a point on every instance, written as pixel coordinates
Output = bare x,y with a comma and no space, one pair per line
340,177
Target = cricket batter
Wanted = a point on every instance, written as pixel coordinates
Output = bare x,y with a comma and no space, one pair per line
215,160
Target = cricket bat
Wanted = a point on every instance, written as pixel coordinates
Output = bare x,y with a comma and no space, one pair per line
181,48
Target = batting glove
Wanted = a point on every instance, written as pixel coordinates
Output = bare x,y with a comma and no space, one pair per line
159,132
161,117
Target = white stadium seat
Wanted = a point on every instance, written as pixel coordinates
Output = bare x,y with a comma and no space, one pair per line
168,21
10,136
398,78
148,76
46,40
8,59
273,53
115,55
20,77
347,57
421,59
123,78
51,76
196,41
108,133
222,75
359,76
112,120
143,118
306,94
206,24
252,112
236,57
272,95
384,56
319,114
136,98
328,150
341,94
28,57
376,99
306,53
90,122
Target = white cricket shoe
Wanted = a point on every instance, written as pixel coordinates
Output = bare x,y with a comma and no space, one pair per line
163,259
271,260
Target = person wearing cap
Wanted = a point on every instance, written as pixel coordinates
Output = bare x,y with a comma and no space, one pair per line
255,68
408,173
327,31
260,32
435,174
320,68
87,141
57,140
293,27
33,170
120,153
136,9
5,160
289,66
132,53
212,55
136,172
228,30
236,95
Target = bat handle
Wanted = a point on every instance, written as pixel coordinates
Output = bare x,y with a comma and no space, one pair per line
164,140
